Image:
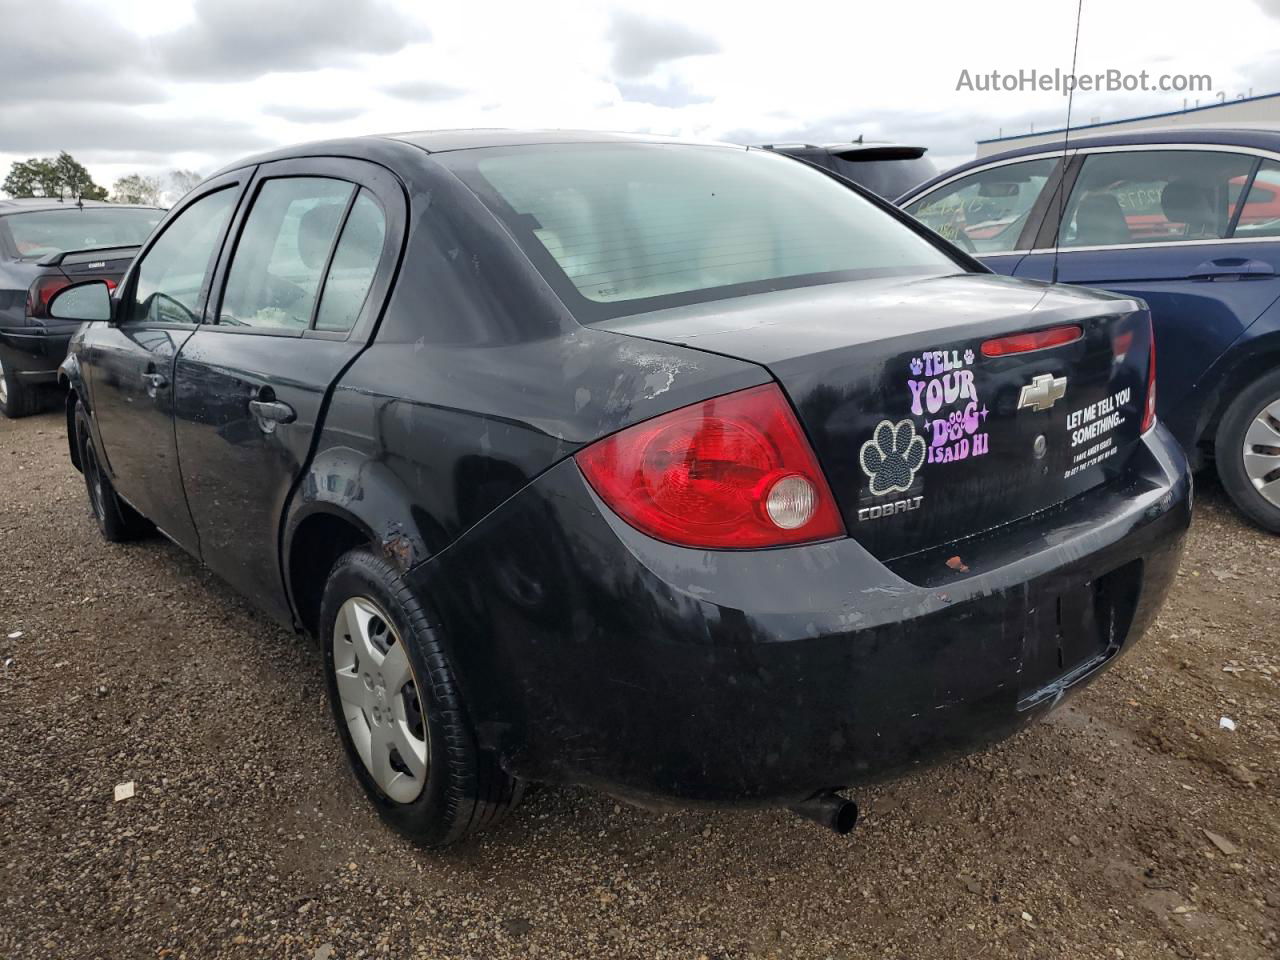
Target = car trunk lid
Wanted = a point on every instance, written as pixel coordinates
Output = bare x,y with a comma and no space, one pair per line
924,438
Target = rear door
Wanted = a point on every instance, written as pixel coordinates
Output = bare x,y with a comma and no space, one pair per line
129,367
992,213
1162,225
296,300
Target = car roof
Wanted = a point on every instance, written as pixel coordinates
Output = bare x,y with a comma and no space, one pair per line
374,146
35,204
849,147
1260,136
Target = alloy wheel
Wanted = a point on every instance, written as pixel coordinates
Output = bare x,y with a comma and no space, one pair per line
1262,452
380,700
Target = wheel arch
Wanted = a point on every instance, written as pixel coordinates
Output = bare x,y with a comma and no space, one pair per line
345,500
1239,367
70,381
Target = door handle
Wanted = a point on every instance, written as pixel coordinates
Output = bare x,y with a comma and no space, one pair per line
1233,268
156,380
272,411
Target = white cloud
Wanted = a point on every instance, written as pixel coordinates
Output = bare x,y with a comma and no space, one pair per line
151,84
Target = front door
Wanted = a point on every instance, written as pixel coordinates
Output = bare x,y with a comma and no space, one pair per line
130,366
293,311
1166,226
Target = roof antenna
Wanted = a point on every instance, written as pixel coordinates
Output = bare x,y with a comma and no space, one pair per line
1066,138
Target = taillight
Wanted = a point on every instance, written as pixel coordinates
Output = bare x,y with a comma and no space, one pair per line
42,292
1149,414
1035,340
731,472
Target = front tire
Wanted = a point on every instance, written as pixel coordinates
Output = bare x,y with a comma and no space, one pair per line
117,521
399,711
1247,451
16,398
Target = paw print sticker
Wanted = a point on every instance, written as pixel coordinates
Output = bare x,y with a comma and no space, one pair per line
968,358
916,366
892,456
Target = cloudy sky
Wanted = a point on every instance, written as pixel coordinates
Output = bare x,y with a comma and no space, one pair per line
147,85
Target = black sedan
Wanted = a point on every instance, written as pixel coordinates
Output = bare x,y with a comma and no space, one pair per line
677,470
45,245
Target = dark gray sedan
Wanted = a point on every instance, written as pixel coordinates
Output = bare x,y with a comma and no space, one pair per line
45,245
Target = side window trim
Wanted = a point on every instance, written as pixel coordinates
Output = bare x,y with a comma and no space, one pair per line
1243,198
1047,236
235,182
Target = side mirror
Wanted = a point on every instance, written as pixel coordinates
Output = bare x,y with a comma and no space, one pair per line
85,302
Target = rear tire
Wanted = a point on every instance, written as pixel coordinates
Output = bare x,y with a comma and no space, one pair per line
1247,451
117,521
16,398
400,714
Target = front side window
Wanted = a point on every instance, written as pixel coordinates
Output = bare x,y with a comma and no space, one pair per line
1150,196
1261,214
44,232
986,211
618,229
171,276
275,274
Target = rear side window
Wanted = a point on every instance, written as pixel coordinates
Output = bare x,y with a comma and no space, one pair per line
618,229
1261,214
354,263
986,211
1149,196
44,232
281,255
171,277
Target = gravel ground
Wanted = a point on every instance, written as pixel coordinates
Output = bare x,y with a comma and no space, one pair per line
1086,836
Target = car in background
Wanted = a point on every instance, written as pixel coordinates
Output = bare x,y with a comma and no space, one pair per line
677,470
1187,219
886,169
45,245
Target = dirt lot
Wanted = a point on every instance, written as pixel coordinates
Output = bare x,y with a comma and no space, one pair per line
1084,837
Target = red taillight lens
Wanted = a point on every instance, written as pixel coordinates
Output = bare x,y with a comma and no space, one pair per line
1036,340
735,471
1149,414
42,292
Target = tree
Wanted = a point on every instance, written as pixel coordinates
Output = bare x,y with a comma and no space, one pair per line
136,188
33,178
182,182
59,176
77,180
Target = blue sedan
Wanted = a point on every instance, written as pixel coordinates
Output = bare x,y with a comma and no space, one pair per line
1188,220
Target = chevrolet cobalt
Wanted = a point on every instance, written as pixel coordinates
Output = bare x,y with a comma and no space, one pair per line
681,471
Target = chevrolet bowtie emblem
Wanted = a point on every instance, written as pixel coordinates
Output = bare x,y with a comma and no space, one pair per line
1042,392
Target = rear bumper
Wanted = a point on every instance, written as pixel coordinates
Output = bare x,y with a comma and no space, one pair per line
591,654
34,352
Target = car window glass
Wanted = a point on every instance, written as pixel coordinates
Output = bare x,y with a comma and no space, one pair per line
985,211
620,228
275,273
43,232
1150,196
354,264
171,275
1261,214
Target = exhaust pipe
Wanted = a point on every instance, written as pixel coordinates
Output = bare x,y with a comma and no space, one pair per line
828,808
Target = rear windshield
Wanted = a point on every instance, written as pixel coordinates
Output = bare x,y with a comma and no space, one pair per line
889,178
619,229
43,232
